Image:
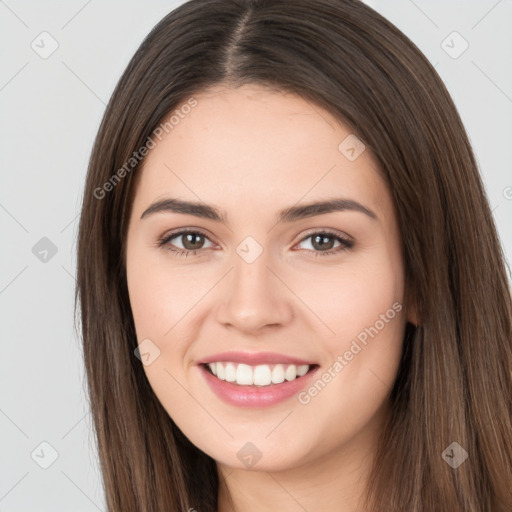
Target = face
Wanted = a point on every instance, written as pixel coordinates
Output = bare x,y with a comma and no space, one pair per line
299,309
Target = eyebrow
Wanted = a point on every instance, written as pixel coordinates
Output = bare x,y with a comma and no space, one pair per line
291,214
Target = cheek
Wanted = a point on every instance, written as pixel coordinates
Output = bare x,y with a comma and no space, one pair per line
146,293
352,298
162,302
160,295
366,313
363,309
168,306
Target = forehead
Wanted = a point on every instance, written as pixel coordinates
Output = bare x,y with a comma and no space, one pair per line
268,148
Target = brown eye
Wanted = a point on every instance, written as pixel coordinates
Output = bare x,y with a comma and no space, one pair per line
191,242
323,243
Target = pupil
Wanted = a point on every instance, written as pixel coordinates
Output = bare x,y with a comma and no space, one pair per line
191,236
321,241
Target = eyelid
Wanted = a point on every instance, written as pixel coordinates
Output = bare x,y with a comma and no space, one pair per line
168,235
343,238
334,233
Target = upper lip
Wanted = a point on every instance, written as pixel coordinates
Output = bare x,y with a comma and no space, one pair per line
253,358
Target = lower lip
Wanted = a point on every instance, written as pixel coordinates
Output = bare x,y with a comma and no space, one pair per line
254,396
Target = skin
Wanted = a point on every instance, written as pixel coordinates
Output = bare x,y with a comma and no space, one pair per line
252,151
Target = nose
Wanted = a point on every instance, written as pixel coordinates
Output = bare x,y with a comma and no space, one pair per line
254,297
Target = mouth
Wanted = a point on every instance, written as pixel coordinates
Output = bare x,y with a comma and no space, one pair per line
257,379
260,375
258,386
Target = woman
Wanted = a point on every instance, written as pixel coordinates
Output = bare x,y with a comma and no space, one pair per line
228,367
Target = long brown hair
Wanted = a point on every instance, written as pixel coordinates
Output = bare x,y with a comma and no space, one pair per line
454,382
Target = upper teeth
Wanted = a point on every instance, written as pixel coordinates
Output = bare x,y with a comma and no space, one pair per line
260,375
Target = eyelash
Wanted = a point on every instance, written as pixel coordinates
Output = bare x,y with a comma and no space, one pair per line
164,243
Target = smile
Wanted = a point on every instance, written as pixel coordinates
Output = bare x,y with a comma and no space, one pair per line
260,375
256,380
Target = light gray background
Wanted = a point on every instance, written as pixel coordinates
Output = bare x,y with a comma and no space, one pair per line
51,109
